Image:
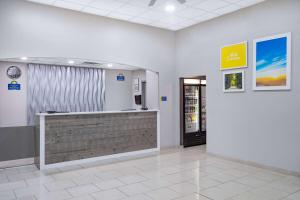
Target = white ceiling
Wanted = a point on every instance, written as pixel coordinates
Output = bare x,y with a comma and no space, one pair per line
138,11
77,62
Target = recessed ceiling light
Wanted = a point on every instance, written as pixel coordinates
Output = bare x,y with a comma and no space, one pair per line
170,8
71,62
109,65
24,58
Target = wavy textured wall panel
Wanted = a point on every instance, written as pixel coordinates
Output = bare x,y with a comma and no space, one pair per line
64,88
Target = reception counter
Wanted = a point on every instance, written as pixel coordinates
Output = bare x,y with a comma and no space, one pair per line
74,138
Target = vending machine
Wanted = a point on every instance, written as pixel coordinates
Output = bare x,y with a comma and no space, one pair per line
194,119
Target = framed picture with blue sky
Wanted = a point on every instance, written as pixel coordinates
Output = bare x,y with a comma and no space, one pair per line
272,63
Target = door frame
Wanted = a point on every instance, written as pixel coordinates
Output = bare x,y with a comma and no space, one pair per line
181,102
202,85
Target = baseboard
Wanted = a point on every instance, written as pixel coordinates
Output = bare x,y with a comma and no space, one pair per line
255,164
119,156
16,163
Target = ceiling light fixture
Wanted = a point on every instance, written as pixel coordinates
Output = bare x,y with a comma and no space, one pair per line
71,62
152,2
24,58
170,8
109,65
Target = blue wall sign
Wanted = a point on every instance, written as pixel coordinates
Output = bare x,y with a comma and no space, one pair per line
163,98
120,77
14,86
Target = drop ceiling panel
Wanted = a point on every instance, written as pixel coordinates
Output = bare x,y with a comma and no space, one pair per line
138,11
212,5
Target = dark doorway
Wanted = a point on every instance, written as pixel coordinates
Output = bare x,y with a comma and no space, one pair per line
193,111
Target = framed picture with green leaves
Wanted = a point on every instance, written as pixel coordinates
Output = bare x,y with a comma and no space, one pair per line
233,81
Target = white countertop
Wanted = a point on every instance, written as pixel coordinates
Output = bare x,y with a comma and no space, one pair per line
98,112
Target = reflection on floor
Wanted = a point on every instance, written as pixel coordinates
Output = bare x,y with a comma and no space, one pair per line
181,174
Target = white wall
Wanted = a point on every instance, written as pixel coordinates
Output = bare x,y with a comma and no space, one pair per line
261,127
152,96
36,30
118,94
13,103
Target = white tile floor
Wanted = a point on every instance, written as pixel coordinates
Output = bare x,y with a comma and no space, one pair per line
179,174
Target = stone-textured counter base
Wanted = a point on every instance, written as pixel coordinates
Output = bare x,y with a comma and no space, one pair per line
75,137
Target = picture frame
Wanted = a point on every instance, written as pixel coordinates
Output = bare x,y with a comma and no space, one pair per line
234,81
272,62
234,56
